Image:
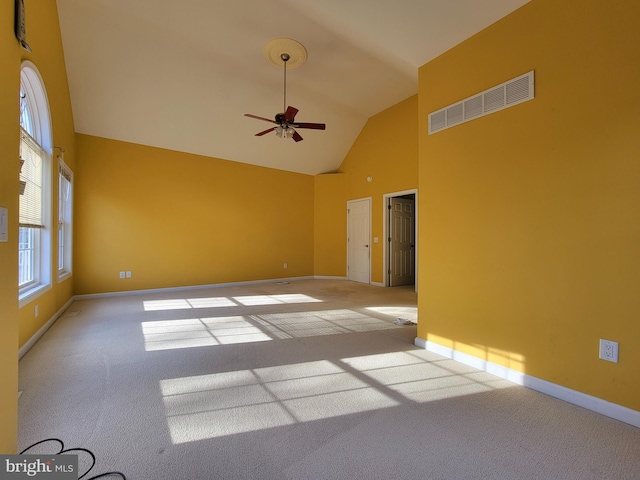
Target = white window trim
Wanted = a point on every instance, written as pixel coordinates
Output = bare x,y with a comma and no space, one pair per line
28,296
33,86
67,269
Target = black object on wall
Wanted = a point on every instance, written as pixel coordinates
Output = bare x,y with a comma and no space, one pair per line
20,25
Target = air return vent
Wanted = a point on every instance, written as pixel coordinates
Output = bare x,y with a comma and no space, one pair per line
510,93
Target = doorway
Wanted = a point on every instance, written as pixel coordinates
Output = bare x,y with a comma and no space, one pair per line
358,240
401,239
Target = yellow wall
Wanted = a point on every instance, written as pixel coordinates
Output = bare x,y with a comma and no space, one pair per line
9,168
330,225
17,325
529,231
175,219
387,151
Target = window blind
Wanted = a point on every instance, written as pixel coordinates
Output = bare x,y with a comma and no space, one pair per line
30,214
64,192
65,172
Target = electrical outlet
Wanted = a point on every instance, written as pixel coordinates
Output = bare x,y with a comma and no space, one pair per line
121,274
608,351
37,311
128,274
285,265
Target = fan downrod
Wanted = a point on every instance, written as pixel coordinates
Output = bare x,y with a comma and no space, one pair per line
285,58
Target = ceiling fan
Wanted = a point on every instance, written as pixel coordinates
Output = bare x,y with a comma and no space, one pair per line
285,122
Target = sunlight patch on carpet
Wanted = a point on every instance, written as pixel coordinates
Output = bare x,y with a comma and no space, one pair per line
420,380
212,331
200,332
321,322
407,313
228,403
215,302
275,299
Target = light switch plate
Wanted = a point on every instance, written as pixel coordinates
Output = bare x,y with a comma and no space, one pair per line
4,225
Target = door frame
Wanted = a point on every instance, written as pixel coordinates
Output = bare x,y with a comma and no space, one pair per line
349,202
386,198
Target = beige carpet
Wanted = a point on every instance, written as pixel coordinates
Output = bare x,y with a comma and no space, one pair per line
304,380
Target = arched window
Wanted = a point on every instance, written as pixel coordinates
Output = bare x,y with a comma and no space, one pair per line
34,243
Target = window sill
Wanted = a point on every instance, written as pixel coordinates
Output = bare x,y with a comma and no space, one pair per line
63,276
29,295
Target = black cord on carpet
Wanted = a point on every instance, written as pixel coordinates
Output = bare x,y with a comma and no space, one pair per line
78,449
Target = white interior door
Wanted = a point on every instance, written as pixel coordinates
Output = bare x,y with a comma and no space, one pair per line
402,241
359,240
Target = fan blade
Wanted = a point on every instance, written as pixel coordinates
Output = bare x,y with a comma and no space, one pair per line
259,118
290,114
315,126
297,137
265,132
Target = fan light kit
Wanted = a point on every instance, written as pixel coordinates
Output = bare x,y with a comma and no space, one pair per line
283,52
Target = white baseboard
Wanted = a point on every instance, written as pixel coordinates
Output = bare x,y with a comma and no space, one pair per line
36,336
328,277
613,410
90,296
325,277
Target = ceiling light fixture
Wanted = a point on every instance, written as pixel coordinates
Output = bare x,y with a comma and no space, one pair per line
285,52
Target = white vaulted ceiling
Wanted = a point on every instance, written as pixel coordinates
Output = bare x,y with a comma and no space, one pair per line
181,74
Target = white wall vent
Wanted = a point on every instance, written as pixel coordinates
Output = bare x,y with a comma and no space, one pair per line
508,94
